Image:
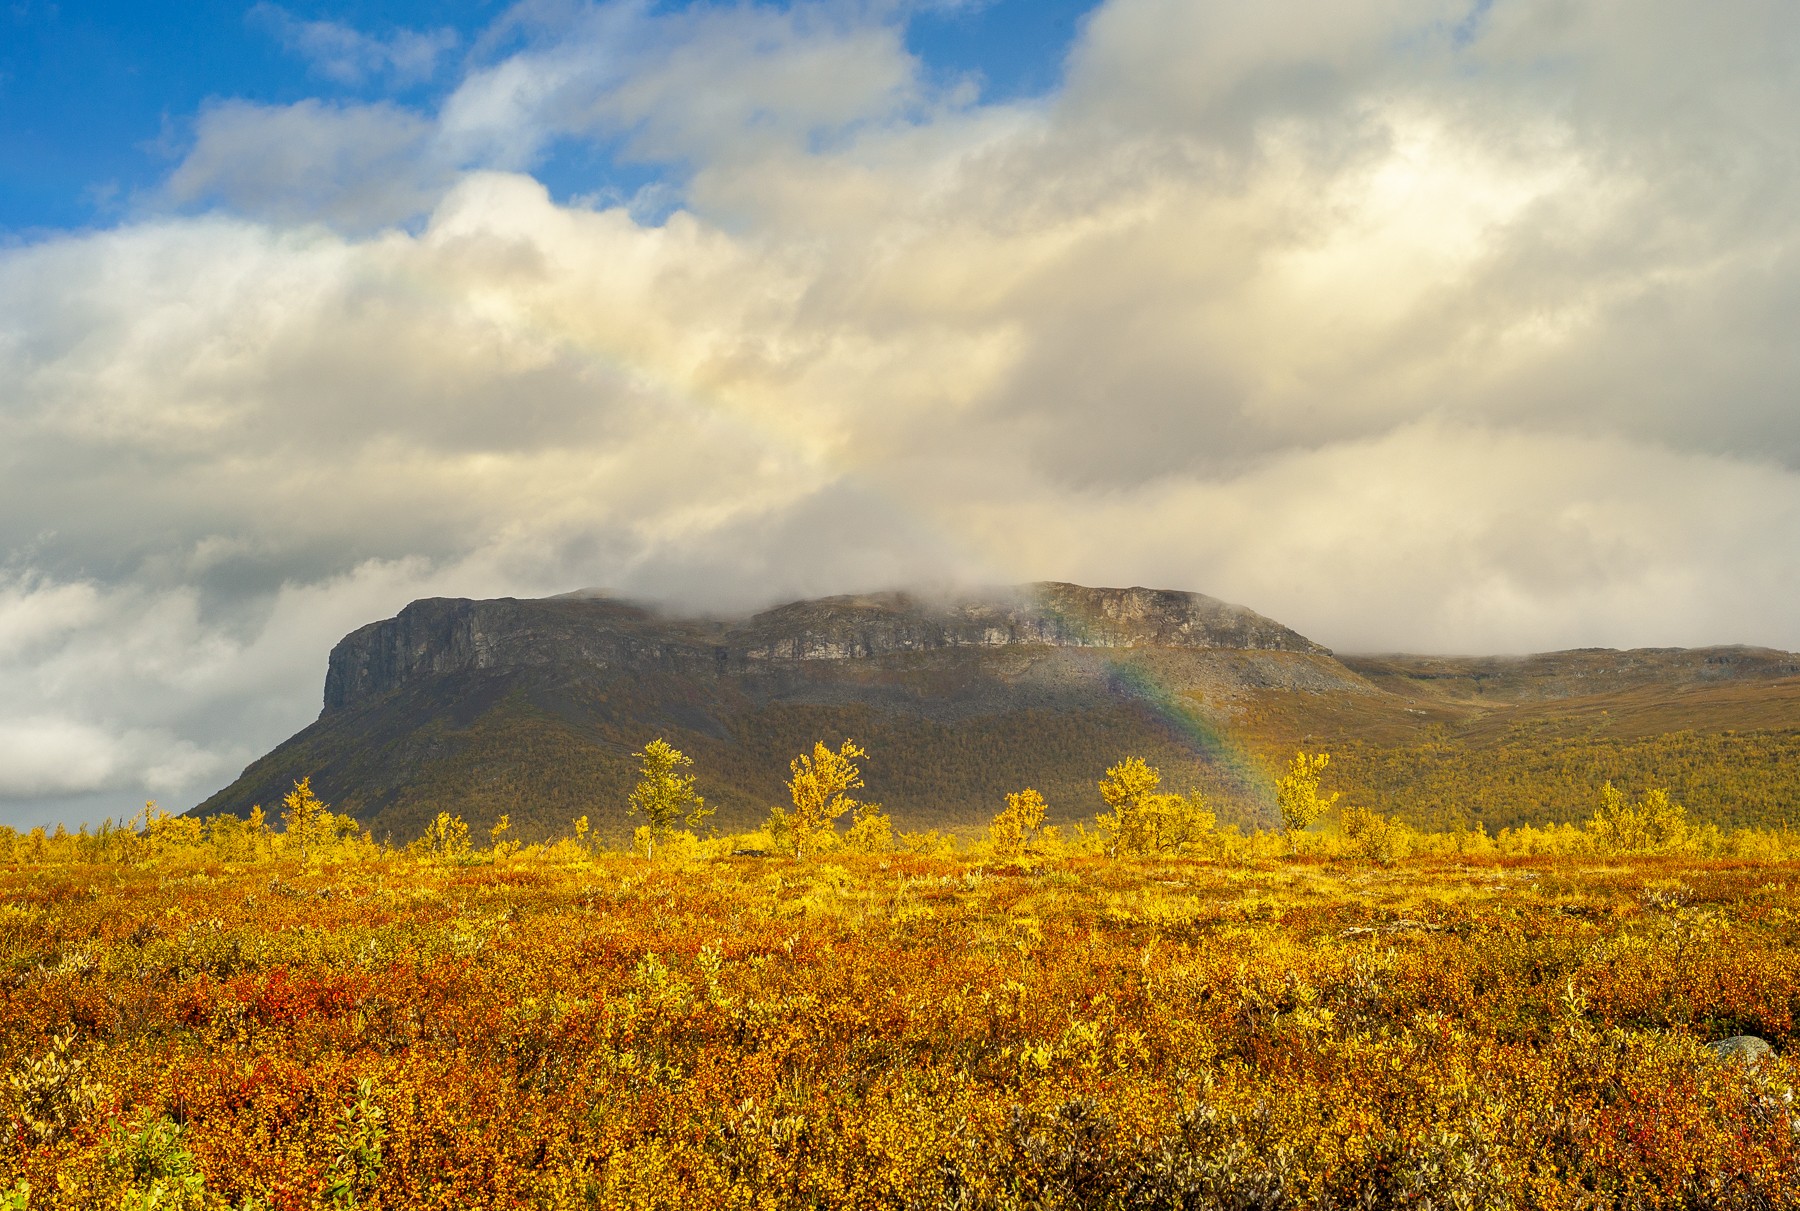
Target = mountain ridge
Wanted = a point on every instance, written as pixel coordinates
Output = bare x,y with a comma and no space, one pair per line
438,635
533,707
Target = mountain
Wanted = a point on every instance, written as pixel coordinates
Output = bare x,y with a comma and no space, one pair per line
533,708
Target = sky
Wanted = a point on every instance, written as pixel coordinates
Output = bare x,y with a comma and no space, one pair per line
1423,325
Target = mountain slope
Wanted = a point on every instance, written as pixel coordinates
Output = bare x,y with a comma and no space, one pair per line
1505,741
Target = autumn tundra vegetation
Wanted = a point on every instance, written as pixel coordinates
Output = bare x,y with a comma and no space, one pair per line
1141,1010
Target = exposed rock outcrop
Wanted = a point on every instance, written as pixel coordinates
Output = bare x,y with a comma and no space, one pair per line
438,636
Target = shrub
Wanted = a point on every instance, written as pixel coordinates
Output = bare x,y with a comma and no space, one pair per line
158,1172
446,839
1371,835
871,831
1655,824
1146,820
52,1094
357,1142
664,796
1011,832
820,790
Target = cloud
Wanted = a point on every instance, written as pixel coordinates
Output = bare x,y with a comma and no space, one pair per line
1410,330
1442,537
694,85
152,687
348,56
44,757
682,89
355,166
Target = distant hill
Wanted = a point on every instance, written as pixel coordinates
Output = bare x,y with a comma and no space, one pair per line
533,708
1508,741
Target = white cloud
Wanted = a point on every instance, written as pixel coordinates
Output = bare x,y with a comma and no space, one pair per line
52,758
694,85
118,693
1408,336
1439,537
32,614
348,56
356,166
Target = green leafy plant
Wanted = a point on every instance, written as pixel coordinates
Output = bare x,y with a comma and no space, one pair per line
358,1139
159,1172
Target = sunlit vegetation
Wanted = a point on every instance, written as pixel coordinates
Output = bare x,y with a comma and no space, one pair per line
544,770
1732,779
1436,764
1732,757
664,796
542,773
1297,794
1145,1009
1016,828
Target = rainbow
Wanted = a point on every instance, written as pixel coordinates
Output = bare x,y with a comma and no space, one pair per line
1235,765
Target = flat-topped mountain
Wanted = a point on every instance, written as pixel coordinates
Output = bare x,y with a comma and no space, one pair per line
533,708
444,635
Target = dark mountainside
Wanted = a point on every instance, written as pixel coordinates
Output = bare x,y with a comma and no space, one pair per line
533,708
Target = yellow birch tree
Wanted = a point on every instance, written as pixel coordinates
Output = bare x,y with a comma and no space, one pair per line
1297,795
665,795
819,788
1012,830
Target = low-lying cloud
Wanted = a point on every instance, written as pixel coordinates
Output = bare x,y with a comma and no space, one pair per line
1415,325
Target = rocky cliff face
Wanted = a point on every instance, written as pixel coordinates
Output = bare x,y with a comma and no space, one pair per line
439,636
1048,614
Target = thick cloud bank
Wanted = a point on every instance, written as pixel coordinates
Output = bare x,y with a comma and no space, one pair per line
1414,325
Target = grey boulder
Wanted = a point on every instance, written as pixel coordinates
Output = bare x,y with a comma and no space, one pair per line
1745,1048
